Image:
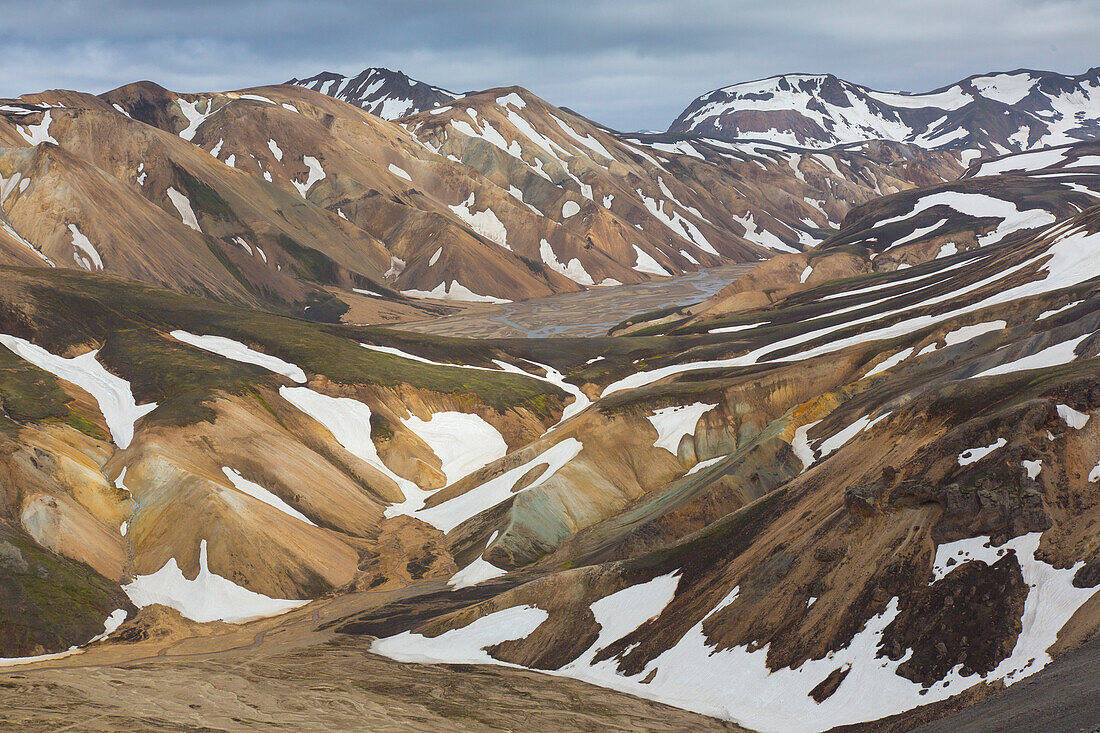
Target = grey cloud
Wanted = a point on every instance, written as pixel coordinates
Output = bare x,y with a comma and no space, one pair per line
629,64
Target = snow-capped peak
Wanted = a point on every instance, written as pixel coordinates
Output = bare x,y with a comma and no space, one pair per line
383,92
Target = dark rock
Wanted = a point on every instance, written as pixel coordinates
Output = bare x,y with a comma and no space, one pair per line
971,616
11,559
860,499
824,689
1089,574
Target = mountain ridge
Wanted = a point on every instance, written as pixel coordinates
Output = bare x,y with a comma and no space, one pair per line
823,110
388,93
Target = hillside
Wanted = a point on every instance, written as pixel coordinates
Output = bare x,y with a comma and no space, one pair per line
288,199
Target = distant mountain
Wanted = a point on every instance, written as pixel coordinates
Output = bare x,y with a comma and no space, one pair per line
994,114
388,94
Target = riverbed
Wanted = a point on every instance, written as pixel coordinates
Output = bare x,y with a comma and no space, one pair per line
588,313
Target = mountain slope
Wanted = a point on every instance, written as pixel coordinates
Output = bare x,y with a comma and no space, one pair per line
841,462
388,94
785,501
991,114
160,466
288,198
656,206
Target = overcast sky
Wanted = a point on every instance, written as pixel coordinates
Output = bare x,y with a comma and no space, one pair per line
630,64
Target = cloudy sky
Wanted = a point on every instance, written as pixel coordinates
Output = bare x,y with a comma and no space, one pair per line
631,64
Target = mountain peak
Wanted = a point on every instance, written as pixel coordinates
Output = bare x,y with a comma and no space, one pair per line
384,92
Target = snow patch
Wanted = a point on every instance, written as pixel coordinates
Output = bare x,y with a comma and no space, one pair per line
37,134
973,455
462,442
237,351
455,291
966,333
1072,417
863,424
486,223
646,264
453,512
259,492
573,270
208,597
1056,355
183,206
80,242
478,571
316,173
194,117
889,362
399,172
349,422
116,400
673,423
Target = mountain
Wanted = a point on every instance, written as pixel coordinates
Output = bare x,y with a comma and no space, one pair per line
666,199
842,463
853,490
286,198
388,94
990,114
1006,199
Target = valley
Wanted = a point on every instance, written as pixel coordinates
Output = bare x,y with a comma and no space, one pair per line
354,402
590,313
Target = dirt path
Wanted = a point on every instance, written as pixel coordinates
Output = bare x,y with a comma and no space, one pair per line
590,313
286,674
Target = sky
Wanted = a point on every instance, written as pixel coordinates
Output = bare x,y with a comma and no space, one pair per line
629,64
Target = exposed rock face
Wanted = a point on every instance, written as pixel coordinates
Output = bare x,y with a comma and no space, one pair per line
971,618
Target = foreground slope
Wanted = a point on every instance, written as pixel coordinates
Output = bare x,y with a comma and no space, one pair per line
759,517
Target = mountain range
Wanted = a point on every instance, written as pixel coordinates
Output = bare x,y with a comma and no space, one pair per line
854,489
991,114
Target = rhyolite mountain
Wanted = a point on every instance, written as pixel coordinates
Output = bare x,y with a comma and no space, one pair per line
856,487
289,199
989,114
